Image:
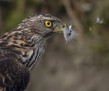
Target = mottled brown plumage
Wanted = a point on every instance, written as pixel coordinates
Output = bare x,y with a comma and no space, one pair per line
21,48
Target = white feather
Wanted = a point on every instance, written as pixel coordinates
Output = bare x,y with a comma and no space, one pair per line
69,34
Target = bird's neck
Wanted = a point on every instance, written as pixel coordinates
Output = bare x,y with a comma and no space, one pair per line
30,46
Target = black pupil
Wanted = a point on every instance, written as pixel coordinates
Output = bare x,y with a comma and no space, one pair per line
48,23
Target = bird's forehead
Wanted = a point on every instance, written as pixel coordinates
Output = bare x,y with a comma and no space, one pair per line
41,17
48,17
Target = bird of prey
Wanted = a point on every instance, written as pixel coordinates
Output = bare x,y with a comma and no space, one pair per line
21,48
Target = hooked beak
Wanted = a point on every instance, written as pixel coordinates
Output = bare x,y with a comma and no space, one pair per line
62,27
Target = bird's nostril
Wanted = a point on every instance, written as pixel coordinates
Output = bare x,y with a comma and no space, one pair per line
63,25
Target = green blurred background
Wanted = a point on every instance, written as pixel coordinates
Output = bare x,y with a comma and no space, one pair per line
82,64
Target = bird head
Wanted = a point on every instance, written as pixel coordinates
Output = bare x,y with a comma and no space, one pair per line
44,24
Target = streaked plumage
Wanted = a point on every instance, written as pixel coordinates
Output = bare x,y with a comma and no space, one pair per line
21,48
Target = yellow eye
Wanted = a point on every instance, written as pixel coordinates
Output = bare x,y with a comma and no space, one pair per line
48,24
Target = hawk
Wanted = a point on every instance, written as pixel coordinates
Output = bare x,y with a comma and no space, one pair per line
21,48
